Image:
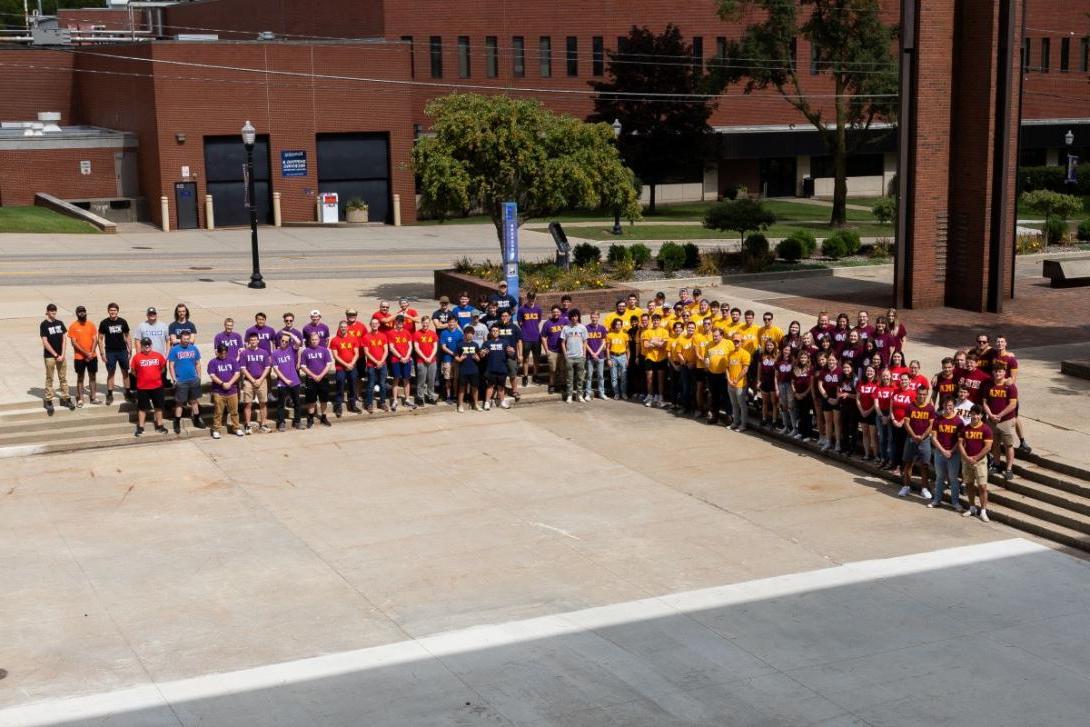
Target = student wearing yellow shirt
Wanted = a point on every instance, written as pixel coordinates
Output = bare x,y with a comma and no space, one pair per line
769,332
701,339
737,369
750,332
617,359
685,355
653,342
734,324
715,364
620,313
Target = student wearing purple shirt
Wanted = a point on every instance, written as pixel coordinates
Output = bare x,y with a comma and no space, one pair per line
596,357
550,338
315,367
285,369
529,320
266,335
316,326
297,336
224,372
256,363
229,338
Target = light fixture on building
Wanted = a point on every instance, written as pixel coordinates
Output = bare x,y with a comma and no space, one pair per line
616,128
179,137
1069,137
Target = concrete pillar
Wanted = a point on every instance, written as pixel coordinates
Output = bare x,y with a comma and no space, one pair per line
397,210
209,212
278,220
802,170
164,212
710,189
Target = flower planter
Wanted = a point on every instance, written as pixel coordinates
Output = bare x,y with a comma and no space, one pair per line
451,284
358,216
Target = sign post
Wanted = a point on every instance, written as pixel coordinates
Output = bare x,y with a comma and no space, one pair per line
511,247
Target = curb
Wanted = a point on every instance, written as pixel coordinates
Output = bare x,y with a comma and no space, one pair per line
779,275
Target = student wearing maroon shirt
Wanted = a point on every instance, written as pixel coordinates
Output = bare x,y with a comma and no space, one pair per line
896,328
867,407
974,379
802,383
983,351
919,422
863,326
944,385
821,360
848,419
766,382
784,366
823,329
828,383
974,443
793,337
840,332
945,455
884,341
852,352
1000,404
1002,358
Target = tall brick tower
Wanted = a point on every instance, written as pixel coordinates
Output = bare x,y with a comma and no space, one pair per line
960,111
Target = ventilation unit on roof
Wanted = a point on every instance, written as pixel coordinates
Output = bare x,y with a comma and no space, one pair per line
51,121
199,37
266,35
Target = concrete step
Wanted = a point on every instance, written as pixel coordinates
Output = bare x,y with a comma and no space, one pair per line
1052,478
1038,508
64,433
1041,528
1056,467
1064,498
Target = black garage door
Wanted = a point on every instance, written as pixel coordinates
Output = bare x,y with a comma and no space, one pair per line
224,157
356,166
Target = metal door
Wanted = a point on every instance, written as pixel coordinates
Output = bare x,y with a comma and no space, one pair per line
185,200
357,166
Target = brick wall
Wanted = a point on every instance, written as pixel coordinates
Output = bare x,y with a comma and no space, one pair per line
57,172
310,20
33,80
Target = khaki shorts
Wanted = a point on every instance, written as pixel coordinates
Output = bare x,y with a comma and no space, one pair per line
975,473
445,369
1004,433
259,392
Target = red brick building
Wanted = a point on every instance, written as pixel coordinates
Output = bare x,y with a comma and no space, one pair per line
343,80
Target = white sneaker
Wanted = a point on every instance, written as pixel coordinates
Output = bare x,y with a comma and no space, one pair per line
925,493
505,404
567,399
240,433
487,405
581,399
903,492
968,513
460,409
649,401
930,505
215,435
984,516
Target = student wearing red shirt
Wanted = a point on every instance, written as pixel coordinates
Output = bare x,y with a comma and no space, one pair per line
1000,405
897,365
974,443
867,407
883,397
401,361
384,317
425,354
346,354
148,367
1002,358
974,379
357,329
915,379
411,315
899,403
945,455
919,422
944,385
376,349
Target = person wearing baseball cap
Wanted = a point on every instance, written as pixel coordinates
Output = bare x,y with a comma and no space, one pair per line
504,301
149,370
316,326
84,336
156,330
442,314
224,371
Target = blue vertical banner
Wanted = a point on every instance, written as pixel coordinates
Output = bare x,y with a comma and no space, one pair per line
511,247
1072,170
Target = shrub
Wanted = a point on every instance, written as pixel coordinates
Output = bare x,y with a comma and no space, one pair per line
850,239
717,261
671,256
623,270
755,253
585,253
756,244
1052,203
692,255
881,249
1028,244
641,255
1084,230
1055,230
618,254
791,249
834,247
807,240
742,215
884,209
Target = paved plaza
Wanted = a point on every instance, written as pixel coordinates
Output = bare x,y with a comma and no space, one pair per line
553,564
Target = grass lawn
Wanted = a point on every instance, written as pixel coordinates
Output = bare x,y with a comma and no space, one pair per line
40,219
696,232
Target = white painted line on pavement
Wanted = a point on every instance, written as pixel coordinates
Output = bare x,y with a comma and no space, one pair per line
161,694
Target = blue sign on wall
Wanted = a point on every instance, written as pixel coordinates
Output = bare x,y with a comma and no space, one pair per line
293,162
511,247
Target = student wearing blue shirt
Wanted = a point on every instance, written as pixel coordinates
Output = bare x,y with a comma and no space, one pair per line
463,312
466,356
450,338
494,354
504,301
184,367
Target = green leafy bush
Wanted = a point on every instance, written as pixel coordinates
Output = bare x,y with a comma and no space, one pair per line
756,255
641,254
849,240
585,253
671,257
618,254
881,249
1028,244
1084,230
807,240
834,247
692,255
717,261
756,244
1055,230
623,270
791,249
884,209
1052,203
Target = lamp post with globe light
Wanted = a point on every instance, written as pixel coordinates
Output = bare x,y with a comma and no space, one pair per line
249,136
617,210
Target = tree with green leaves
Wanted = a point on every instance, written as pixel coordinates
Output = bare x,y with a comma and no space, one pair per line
850,43
11,11
740,215
483,151
662,102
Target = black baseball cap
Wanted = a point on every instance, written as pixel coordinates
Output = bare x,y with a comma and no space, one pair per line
221,347
80,309
145,341
152,310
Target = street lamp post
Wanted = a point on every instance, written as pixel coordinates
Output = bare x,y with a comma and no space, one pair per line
1071,161
249,136
617,210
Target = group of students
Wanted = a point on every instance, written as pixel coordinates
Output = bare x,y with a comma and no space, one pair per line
848,386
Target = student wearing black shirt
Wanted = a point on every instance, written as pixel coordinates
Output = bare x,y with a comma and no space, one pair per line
181,324
115,341
54,340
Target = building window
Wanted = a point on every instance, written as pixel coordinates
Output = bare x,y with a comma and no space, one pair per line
492,56
1046,53
1084,55
597,55
1027,50
1065,55
408,40
720,52
463,56
545,56
518,56
435,45
698,53
572,52
814,69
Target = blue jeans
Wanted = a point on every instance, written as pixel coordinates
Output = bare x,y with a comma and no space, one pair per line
376,375
618,374
686,394
885,438
946,472
596,367
346,380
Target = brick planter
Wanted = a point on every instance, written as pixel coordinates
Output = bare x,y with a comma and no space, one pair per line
452,284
